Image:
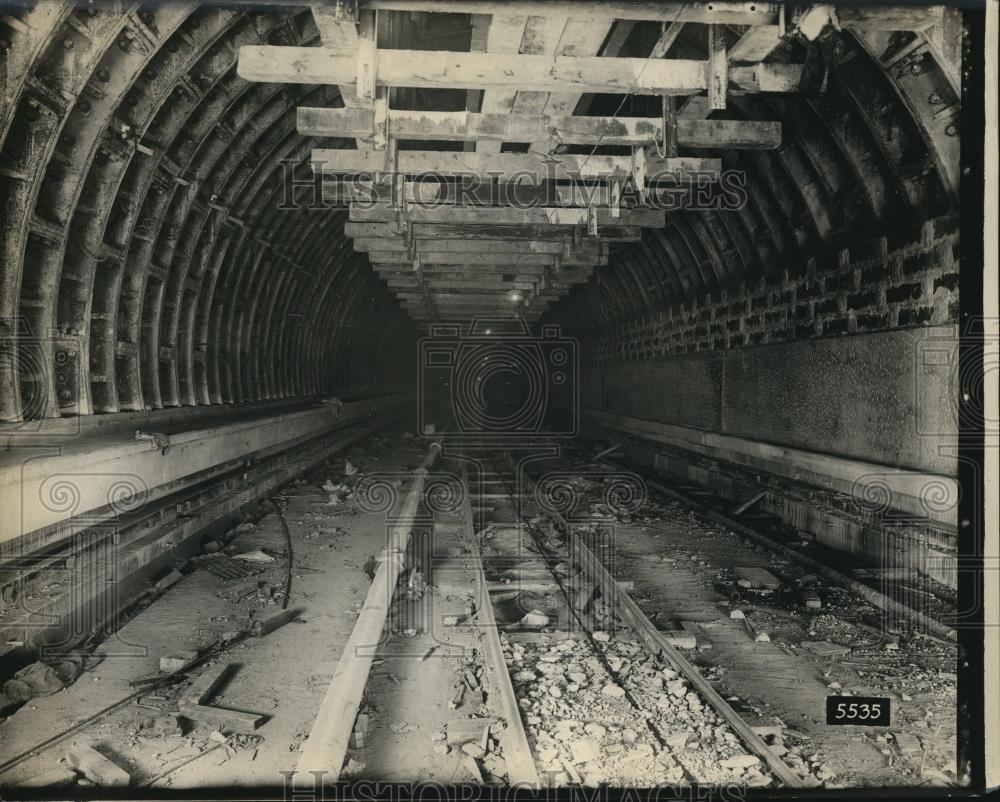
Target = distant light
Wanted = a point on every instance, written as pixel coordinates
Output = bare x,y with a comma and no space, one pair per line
489,331
514,296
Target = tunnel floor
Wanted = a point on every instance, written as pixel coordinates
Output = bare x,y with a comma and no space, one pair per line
677,565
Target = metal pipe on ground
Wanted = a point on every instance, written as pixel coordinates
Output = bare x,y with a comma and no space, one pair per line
323,752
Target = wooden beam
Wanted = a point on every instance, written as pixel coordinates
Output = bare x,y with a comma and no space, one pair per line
472,297
526,168
508,216
450,70
566,250
430,231
539,260
571,274
480,279
505,35
570,130
757,43
890,17
695,107
462,281
668,35
459,246
728,13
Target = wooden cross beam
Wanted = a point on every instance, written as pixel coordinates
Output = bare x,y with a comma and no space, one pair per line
461,281
728,13
450,70
508,216
539,260
486,272
757,43
440,193
563,129
568,251
871,17
520,233
527,168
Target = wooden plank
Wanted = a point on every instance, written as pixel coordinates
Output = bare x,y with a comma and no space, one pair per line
539,261
432,230
505,35
889,17
727,13
583,36
529,167
323,752
484,258
520,270
757,43
96,767
472,298
486,273
668,35
507,216
570,130
465,246
695,107
192,704
451,70
471,285
541,38
464,306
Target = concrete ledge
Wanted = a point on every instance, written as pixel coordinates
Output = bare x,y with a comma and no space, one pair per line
90,479
926,495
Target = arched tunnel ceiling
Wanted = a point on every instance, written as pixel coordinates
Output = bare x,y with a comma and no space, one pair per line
149,256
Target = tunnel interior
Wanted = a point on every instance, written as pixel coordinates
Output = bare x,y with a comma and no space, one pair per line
195,310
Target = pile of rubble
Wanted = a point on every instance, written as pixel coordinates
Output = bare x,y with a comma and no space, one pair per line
617,717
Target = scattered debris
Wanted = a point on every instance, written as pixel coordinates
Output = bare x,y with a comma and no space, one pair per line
536,619
226,567
255,556
825,648
754,577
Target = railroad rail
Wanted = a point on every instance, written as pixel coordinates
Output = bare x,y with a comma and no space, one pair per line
582,569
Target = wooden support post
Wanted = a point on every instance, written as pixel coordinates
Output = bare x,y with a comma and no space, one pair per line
670,126
367,65
718,71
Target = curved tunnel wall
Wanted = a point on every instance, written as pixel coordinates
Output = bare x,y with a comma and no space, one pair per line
809,313
148,259
147,256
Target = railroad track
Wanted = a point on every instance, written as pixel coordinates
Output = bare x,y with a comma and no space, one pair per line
604,696
495,648
523,663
